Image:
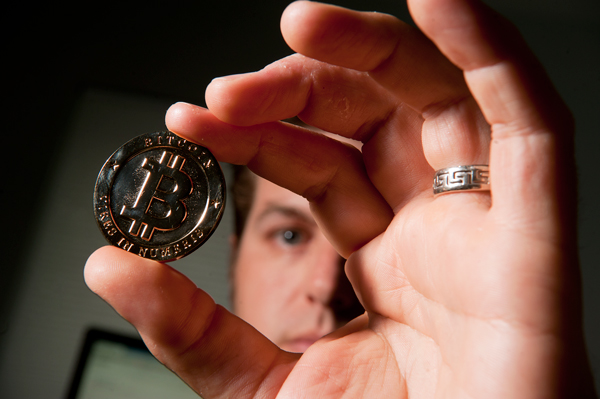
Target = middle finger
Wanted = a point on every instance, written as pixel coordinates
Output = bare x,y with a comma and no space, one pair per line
338,100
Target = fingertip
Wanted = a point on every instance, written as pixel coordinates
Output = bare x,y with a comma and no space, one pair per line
180,116
304,23
292,18
470,33
113,273
191,122
295,9
175,111
218,97
98,267
340,36
174,115
276,92
244,99
143,291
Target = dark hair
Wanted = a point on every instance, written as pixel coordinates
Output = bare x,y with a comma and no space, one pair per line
242,192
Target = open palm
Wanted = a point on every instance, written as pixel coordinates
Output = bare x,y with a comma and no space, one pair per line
466,294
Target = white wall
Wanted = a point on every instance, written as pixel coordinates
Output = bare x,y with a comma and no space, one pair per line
54,307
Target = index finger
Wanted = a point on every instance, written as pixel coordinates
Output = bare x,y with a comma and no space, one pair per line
330,174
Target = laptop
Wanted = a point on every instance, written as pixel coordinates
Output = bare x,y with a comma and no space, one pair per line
116,366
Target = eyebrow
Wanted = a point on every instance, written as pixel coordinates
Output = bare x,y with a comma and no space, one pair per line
286,211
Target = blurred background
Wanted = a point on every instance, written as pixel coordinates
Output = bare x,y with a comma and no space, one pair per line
84,79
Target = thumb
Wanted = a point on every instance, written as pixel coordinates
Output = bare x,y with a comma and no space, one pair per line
213,351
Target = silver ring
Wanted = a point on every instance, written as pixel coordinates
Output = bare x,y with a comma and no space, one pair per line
461,178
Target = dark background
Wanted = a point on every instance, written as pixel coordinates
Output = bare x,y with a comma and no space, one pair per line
55,53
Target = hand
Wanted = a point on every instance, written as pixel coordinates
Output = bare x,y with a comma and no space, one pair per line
467,295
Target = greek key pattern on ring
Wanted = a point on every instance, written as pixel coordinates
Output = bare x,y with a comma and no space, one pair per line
461,178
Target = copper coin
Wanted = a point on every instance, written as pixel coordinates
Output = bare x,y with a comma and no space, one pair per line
159,196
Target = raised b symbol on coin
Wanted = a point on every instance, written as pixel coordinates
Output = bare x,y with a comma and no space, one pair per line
158,204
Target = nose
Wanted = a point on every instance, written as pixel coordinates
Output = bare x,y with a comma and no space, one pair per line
328,286
323,273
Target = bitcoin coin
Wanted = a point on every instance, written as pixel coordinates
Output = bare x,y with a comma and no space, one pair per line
159,196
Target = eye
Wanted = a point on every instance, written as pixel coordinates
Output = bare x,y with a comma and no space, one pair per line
291,237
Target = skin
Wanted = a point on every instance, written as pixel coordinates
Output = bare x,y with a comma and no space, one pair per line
286,271
466,295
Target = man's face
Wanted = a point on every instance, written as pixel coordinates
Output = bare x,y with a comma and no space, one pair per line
286,273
